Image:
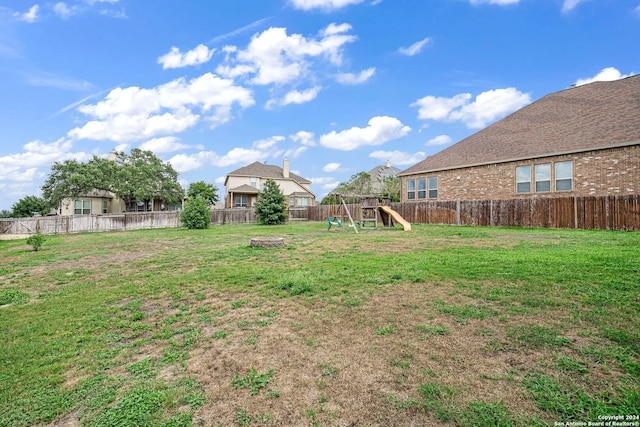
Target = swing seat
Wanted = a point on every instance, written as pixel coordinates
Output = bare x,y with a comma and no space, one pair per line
330,222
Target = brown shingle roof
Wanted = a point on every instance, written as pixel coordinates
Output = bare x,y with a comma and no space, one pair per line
594,116
244,188
262,170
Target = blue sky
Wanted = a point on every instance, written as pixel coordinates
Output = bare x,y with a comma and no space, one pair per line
337,86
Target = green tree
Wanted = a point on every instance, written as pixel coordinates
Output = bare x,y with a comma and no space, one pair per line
69,179
271,207
359,184
143,177
208,192
29,206
391,187
137,177
196,214
4,213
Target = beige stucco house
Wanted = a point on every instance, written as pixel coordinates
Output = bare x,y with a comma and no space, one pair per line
242,186
582,141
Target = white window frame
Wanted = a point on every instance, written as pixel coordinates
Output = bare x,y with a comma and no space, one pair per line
562,177
241,200
542,173
82,207
411,189
422,188
433,187
521,181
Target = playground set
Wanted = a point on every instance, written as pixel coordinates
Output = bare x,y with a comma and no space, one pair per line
371,208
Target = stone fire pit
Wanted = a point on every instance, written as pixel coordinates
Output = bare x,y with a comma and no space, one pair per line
267,242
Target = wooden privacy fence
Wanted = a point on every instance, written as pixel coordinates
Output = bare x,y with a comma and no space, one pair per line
88,223
127,221
608,212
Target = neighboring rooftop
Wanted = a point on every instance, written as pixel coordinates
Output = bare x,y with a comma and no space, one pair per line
380,172
594,116
263,170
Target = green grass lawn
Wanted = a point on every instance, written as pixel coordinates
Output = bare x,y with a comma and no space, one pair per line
440,325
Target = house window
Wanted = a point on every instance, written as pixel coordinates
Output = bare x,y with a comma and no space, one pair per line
523,179
82,207
241,201
303,201
564,176
411,189
254,182
422,188
433,187
105,206
543,177
292,201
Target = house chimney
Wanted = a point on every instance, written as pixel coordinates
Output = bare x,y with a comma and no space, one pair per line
285,168
387,164
112,155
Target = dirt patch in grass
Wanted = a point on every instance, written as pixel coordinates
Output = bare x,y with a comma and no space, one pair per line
334,366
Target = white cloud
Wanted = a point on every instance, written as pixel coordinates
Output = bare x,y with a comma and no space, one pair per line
327,183
19,172
439,140
398,157
415,48
133,113
605,75
498,2
569,5
295,97
487,107
30,16
196,56
380,129
166,144
325,5
356,79
293,153
331,167
439,108
188,162
267,143
64,11
273,56
304,138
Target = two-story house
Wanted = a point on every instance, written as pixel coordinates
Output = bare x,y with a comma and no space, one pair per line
242,186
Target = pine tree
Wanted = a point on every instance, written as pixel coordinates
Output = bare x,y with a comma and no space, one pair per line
271,207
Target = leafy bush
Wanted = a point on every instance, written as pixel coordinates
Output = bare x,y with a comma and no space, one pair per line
196,214
36,240
271,207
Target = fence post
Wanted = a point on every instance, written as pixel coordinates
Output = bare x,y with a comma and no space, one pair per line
458,212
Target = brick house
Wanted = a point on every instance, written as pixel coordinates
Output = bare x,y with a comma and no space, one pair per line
243,185
582,141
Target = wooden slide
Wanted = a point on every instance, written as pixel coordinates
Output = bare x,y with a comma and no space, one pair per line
396,217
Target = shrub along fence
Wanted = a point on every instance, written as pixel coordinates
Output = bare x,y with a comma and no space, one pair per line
609,212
